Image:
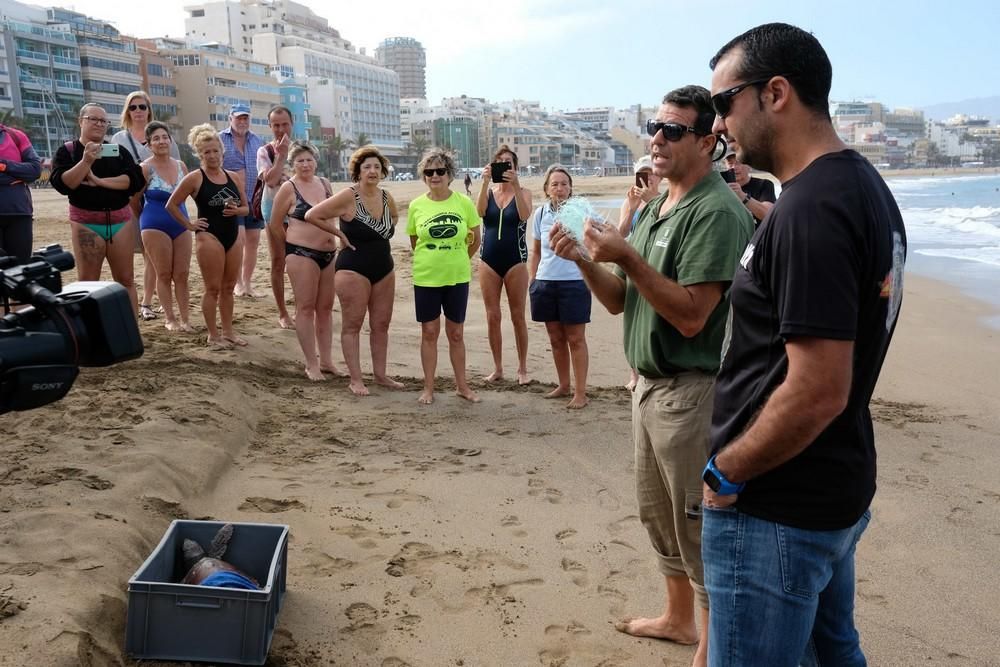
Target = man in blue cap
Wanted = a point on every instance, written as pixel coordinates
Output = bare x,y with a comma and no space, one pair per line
241,146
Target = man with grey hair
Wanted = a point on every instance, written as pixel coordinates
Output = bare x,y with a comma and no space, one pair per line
671,281
241,146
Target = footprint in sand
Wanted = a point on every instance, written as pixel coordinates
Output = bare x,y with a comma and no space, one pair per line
270,505
608,500
165,508
462,451
393,661
322,563
575,642
47,477
510,520
363,537
360,615
576,570
565,534
619,526
397,498
537,489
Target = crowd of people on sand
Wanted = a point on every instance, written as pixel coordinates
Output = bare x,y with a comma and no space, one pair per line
755,329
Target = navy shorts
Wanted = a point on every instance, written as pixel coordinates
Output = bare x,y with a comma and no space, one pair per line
563,301
250,222
431,301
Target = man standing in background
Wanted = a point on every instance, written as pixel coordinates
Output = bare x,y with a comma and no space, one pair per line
241,146
271,161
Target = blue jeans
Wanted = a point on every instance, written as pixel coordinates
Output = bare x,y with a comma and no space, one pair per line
779,595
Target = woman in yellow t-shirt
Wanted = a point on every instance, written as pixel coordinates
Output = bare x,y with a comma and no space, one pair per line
444,233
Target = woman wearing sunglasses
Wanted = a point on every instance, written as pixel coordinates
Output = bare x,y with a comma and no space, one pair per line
504,207
99,180
444,234
137,112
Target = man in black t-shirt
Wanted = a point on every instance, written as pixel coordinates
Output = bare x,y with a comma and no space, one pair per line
757,194
814,305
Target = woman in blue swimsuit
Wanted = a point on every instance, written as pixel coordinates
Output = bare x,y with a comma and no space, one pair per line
167,242
309,255
504,208
218,195
366,279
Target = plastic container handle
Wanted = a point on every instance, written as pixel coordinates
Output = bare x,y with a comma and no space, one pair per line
217,604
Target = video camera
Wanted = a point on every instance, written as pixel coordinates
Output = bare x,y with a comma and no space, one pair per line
43,344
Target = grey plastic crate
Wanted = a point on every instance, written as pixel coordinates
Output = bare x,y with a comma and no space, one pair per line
171,621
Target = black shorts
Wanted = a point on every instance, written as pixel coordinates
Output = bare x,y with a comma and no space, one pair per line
429,302
563,301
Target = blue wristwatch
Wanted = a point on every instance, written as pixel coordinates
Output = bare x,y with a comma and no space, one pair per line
718,482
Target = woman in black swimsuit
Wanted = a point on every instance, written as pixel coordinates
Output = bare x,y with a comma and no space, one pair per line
217,193
309,254
504,208
366,281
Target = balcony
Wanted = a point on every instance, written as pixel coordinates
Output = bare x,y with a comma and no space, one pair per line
66,63
73,86
33,56
35,82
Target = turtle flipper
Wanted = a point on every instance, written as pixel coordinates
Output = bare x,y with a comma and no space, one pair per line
192,553
217,549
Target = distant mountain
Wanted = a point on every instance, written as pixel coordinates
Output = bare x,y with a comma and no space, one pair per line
980,106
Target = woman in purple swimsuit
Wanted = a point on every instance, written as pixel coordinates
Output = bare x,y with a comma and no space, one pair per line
167,242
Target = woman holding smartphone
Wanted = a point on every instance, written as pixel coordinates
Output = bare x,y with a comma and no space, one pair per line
218,196
99,180
559,296
504,207
444,235
646,188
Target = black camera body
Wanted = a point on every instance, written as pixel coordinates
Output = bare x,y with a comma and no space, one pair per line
497,170
43,344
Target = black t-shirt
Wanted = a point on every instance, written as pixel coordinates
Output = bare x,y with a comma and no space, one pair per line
826,263
760,189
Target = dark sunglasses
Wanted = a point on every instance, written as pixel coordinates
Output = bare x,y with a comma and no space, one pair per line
440,171
671,131
140,107
723,102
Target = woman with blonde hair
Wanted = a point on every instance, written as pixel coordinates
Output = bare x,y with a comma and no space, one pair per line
218,196
366,276
137,113
309,253
504,207
444,234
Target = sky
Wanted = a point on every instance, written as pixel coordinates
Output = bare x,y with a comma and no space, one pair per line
588,53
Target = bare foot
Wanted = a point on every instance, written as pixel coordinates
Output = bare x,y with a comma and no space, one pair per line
522,378
494,376
358,388
239,290
658,628
251,292
578,402
171,326
426,397
285,322
387,381
186,327
219,343
333,370
235,340
558,392
468,395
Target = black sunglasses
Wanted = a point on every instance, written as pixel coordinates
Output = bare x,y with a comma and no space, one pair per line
723,102
140,107
440,171
671,131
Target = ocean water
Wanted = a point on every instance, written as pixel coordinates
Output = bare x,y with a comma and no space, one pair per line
952,228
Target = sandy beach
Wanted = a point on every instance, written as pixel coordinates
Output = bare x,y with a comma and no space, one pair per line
502,533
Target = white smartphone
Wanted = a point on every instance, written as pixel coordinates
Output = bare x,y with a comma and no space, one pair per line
110,150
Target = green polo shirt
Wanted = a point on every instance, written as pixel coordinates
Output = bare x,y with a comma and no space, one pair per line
699,240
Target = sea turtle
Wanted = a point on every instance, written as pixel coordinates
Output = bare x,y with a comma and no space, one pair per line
208,569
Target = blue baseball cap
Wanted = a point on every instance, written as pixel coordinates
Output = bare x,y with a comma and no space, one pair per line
239,110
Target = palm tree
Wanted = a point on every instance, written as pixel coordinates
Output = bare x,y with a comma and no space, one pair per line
415,149
334,154
362,140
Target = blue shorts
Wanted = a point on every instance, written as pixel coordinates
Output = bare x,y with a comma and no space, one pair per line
431,301
563,301
250,222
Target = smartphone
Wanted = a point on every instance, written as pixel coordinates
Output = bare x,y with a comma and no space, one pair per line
642,179
109,150
497,170
729,175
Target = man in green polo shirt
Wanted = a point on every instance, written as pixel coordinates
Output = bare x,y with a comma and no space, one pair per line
671,281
